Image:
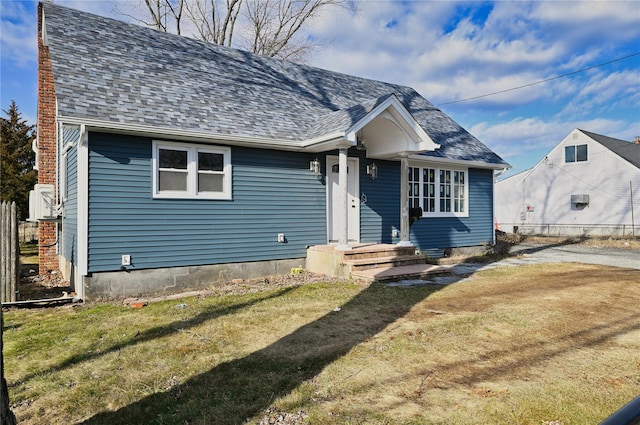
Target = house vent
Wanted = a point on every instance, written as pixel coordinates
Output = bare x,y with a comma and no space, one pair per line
580,199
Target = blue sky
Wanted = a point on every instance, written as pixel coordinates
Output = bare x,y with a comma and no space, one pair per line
447,51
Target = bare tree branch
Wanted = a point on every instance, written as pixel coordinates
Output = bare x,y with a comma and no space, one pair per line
266,27
213,20
157,17
275,23
176,11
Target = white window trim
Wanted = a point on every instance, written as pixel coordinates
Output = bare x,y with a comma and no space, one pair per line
438,167
192,171
63,176
575,152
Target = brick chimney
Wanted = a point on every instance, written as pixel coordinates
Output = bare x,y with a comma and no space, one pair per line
47,142
636,140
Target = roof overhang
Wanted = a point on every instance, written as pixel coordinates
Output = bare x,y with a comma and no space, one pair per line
459,162
192,135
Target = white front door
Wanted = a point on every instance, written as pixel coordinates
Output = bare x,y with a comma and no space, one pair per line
335,216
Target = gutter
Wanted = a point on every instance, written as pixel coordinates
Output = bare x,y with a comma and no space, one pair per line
465,163
316,144
191,135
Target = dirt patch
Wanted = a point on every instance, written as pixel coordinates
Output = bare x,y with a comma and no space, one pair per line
243,286
572,303
549,284
36,287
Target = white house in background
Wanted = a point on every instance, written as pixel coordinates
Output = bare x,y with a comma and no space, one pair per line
588,184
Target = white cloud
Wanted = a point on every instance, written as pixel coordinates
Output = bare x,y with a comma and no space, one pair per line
18,38
603,93
519,43
524,136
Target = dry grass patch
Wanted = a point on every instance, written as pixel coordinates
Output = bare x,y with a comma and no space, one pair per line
511,346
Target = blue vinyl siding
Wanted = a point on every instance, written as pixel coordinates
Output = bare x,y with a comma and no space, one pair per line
273,192
451,232
380,215
380,202
70,214
68,134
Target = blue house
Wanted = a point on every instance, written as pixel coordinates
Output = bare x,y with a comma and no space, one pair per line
179,163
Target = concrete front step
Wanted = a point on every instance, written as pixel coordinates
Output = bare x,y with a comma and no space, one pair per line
389,274
377,251
382,262
326,260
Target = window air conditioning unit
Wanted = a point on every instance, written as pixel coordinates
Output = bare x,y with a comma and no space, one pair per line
42,205
580,199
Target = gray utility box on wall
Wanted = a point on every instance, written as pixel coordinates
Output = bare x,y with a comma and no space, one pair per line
580,199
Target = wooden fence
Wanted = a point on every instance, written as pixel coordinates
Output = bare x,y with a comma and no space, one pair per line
28,232
9,252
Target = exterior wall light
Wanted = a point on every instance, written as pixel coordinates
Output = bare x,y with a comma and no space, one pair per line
372,170
315,167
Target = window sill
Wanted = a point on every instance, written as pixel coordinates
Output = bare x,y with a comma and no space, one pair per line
218,197
445,215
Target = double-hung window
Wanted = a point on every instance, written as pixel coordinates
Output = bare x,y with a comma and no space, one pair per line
191,171
439,191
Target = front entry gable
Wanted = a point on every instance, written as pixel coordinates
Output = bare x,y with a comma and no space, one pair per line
390,131
383,126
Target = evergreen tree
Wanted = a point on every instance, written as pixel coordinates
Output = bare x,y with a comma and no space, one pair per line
17,175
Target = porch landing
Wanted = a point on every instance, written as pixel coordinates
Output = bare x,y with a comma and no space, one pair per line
372,262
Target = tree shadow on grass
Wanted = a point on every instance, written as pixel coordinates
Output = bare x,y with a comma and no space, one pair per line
156,332
234,391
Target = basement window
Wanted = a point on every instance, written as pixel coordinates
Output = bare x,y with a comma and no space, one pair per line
191,171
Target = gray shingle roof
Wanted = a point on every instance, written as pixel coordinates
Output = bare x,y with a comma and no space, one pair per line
121,73
622,148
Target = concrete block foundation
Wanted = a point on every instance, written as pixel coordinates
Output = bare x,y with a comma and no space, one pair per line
163,281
